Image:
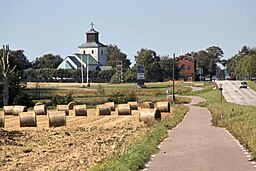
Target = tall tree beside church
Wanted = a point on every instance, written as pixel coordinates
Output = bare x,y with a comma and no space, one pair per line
47,61
6,71
114,54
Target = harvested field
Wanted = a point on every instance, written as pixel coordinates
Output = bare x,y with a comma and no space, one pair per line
79,145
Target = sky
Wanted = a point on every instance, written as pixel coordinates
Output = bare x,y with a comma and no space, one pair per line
40,27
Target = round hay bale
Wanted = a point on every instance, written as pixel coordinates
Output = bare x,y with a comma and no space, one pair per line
40,109
123,109
71,105
18,109
8,110
133,105
150,114
28,119
57,118
103,110
163,106
38,103
149,105
111,105
64,108
1,119
80,110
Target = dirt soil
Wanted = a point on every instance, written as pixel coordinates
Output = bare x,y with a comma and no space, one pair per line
61,148
77,146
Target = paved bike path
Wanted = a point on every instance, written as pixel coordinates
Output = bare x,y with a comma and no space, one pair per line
197,145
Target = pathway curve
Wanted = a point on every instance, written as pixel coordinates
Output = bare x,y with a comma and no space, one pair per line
196,145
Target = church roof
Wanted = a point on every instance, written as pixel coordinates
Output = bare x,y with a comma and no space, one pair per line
91,45
91,59
74,62
92,31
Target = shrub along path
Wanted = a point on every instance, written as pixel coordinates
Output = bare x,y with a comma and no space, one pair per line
197,145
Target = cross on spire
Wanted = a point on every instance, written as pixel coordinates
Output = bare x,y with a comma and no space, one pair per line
92,24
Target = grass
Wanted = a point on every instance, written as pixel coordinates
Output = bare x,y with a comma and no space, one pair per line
237,119
252,85
136,152
99,93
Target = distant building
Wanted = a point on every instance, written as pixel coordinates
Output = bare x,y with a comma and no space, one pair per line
92,49
187,67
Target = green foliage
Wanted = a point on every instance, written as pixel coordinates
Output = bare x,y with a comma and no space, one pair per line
150,60
18,59
130,76
243,63
47,61
107,74
114,54
120,97
63,100
23,99
208,59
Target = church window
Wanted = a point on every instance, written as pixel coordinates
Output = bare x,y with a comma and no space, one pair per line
92,51
189,67
84,52
101,52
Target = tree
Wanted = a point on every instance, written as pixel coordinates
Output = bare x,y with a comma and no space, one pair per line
114,54
6,72
150,60
208,59
237,65
166,64
213,55
130,76
47,61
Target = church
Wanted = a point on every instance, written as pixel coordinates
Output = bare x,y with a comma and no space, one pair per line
91,53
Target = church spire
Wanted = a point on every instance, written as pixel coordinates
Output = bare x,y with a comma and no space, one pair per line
92,35
92,26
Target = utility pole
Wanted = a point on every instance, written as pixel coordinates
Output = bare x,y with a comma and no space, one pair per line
87,71
82,71
173,73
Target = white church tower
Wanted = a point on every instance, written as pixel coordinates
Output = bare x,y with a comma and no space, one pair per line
93,47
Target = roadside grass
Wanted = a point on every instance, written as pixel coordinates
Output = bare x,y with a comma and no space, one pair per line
239,120
137,150
252,85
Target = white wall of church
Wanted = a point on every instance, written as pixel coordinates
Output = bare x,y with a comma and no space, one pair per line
100,54
92,51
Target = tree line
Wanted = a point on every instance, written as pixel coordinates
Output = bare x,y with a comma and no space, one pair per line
243,64
157,68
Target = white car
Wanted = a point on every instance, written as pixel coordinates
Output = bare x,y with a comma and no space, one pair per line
243,84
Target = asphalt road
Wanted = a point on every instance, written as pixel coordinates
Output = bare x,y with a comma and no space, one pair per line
233,94
197,145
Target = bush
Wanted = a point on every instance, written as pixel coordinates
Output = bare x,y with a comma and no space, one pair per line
120,97
23,99
62,99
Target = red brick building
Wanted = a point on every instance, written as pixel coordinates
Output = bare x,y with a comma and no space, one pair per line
187,67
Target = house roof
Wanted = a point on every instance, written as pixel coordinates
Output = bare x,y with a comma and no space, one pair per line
74,62
91,45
